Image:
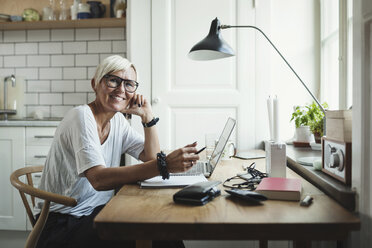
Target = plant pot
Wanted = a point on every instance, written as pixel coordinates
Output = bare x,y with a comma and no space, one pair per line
303,134
318,138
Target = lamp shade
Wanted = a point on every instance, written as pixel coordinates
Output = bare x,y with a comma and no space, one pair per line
211,47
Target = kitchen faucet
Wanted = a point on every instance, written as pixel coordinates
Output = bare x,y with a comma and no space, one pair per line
5,110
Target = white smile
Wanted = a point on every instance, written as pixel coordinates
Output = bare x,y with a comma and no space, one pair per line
118,98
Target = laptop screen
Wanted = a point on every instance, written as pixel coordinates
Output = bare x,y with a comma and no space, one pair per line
217,152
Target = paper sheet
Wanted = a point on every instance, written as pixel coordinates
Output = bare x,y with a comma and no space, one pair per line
174,181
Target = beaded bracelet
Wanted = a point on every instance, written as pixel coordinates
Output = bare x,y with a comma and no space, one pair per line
162,165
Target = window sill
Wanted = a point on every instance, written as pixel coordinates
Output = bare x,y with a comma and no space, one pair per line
340,192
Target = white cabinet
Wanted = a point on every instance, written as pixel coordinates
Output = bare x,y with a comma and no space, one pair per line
38,142
12,157
19,147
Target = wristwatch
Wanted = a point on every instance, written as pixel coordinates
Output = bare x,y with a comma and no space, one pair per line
151,123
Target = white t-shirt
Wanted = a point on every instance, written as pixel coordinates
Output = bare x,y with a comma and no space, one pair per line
76,148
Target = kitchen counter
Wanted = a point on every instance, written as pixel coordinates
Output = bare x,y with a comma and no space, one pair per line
30,122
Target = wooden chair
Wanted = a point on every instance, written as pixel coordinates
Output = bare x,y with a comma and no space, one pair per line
48,197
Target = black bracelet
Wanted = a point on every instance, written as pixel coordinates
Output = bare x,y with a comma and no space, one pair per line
162,165
151,123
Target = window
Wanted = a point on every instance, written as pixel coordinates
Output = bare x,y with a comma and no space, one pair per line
336,53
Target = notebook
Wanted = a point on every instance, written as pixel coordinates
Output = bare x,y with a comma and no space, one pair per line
207,167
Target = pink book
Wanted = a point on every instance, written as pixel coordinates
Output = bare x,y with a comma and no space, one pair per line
277,188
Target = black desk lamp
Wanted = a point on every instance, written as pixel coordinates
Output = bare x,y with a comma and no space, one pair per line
214,47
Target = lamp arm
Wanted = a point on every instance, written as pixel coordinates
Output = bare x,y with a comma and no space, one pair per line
267,38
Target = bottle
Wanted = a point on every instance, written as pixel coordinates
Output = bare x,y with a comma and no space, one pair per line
74,9
50,12
63,11
119,8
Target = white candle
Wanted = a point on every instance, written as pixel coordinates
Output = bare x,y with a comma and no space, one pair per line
276,119
270,113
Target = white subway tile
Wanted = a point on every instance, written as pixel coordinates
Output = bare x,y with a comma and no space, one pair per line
91,72
27,73
62,34
75,73
63,86
38,60
15,36
38,86
38,35
31,98
91,97
6,49
50,98
6,72
87,34
74,98
50,48
63,60
14,61
83,86
99,46
50,73
30,110
87,60
112,34
119,46
60,111
26,48
74,47
102,56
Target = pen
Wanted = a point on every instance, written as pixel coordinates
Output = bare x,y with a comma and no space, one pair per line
201,150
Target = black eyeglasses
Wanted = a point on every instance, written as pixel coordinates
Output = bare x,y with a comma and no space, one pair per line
113,81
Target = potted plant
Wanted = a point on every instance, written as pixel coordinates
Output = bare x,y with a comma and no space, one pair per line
316,123
308,121
301,119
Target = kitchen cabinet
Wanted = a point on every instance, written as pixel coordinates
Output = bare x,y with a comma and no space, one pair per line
12,157
19,147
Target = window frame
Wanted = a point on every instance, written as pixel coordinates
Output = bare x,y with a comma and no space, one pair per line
344,86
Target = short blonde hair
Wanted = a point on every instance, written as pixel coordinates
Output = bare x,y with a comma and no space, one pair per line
112,64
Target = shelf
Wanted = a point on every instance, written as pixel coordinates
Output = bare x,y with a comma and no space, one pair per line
85,23
340,192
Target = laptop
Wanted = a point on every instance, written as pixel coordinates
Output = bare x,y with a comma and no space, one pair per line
207,167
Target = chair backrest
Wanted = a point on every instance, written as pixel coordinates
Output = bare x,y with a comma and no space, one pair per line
48,197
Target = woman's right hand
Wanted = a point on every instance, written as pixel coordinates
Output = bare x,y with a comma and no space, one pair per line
182,159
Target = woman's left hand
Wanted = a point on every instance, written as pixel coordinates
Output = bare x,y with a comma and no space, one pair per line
139,106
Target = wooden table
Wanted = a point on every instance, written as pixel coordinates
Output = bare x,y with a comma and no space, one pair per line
150,214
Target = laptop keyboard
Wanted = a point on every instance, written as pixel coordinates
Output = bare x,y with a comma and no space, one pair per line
197,169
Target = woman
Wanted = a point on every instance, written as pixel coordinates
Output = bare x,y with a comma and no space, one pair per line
84,157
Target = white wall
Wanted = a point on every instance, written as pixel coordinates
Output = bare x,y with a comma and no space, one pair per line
295,31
